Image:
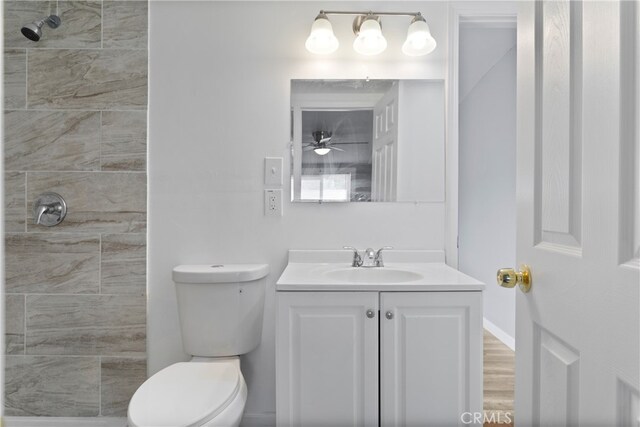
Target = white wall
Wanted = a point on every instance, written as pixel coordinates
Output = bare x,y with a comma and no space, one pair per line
487,177
218,104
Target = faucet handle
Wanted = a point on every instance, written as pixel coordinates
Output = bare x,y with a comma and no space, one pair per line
49,209
357,260
379,261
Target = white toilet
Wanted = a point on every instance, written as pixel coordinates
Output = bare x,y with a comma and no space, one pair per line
220,309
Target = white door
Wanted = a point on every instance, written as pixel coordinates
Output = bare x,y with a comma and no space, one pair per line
577,330
385,147
327,362
430,357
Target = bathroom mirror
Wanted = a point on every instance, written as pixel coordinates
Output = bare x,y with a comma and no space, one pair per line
367,140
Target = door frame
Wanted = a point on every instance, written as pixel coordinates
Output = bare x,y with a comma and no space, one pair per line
485,15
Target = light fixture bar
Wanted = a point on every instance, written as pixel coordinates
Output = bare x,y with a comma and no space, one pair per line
369,12
367,26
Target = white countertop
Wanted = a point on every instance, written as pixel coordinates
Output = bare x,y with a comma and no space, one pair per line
434,275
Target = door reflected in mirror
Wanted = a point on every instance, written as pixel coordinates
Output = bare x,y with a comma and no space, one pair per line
367,140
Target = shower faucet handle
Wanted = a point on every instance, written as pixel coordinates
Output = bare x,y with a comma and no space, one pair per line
49,209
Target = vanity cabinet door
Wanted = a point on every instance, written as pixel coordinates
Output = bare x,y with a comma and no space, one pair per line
327,359
430,357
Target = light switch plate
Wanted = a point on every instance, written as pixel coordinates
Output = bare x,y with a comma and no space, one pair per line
273,170
273,202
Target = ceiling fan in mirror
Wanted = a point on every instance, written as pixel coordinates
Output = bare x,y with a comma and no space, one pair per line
322,143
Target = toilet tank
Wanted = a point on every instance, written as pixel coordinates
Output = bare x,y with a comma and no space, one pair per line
220,307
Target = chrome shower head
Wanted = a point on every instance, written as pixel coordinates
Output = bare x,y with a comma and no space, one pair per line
33,31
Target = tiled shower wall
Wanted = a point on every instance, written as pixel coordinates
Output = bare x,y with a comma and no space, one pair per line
75,123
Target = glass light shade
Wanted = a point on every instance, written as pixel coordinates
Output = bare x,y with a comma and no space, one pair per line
322,151
370,40
419,40
321,40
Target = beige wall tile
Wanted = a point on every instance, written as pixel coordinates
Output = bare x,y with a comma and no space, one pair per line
49,140
123,268
123,247
52,386
98,201
57,312
121,377
14,326
14,201
52,263
58,327
125,24
87,79
123,341
124,277
124,140
81,24
15,78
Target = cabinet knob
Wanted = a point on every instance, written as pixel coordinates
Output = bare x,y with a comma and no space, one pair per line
370,314
389,315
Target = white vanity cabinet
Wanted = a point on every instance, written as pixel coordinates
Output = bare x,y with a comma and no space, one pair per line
327,359
389,358
430,357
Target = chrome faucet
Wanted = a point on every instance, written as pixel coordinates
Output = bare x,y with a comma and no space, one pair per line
378,260
371,258
357,261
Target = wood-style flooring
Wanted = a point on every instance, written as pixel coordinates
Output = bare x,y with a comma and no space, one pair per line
499,381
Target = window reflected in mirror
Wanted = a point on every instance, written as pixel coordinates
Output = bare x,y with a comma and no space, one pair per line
336,155
367,140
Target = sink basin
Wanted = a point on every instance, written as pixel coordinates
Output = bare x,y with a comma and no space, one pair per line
406,271
372,275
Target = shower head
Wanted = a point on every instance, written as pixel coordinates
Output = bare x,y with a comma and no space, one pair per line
33,31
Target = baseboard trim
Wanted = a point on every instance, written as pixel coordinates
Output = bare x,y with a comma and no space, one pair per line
64,422
504,337
264,419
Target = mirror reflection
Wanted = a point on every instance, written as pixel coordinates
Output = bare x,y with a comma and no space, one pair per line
367,140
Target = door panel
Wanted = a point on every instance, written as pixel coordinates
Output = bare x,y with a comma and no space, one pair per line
558,365
559,132
385,147
578,330
327,364
430,357
630,131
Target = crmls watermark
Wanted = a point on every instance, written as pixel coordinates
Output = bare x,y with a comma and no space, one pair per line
486,417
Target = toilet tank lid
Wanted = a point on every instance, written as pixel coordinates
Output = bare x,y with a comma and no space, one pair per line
219,273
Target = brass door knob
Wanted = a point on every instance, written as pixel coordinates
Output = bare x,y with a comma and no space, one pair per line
509,277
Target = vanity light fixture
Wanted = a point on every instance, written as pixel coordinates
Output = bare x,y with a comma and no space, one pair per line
367,26
369,40
321,40
419,40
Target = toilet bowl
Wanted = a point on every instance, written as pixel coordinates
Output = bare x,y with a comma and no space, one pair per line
220,309
202,392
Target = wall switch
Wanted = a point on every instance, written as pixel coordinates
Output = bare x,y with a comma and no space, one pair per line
273,170
273,202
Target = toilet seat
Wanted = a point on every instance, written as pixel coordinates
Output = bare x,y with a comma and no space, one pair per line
186,394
